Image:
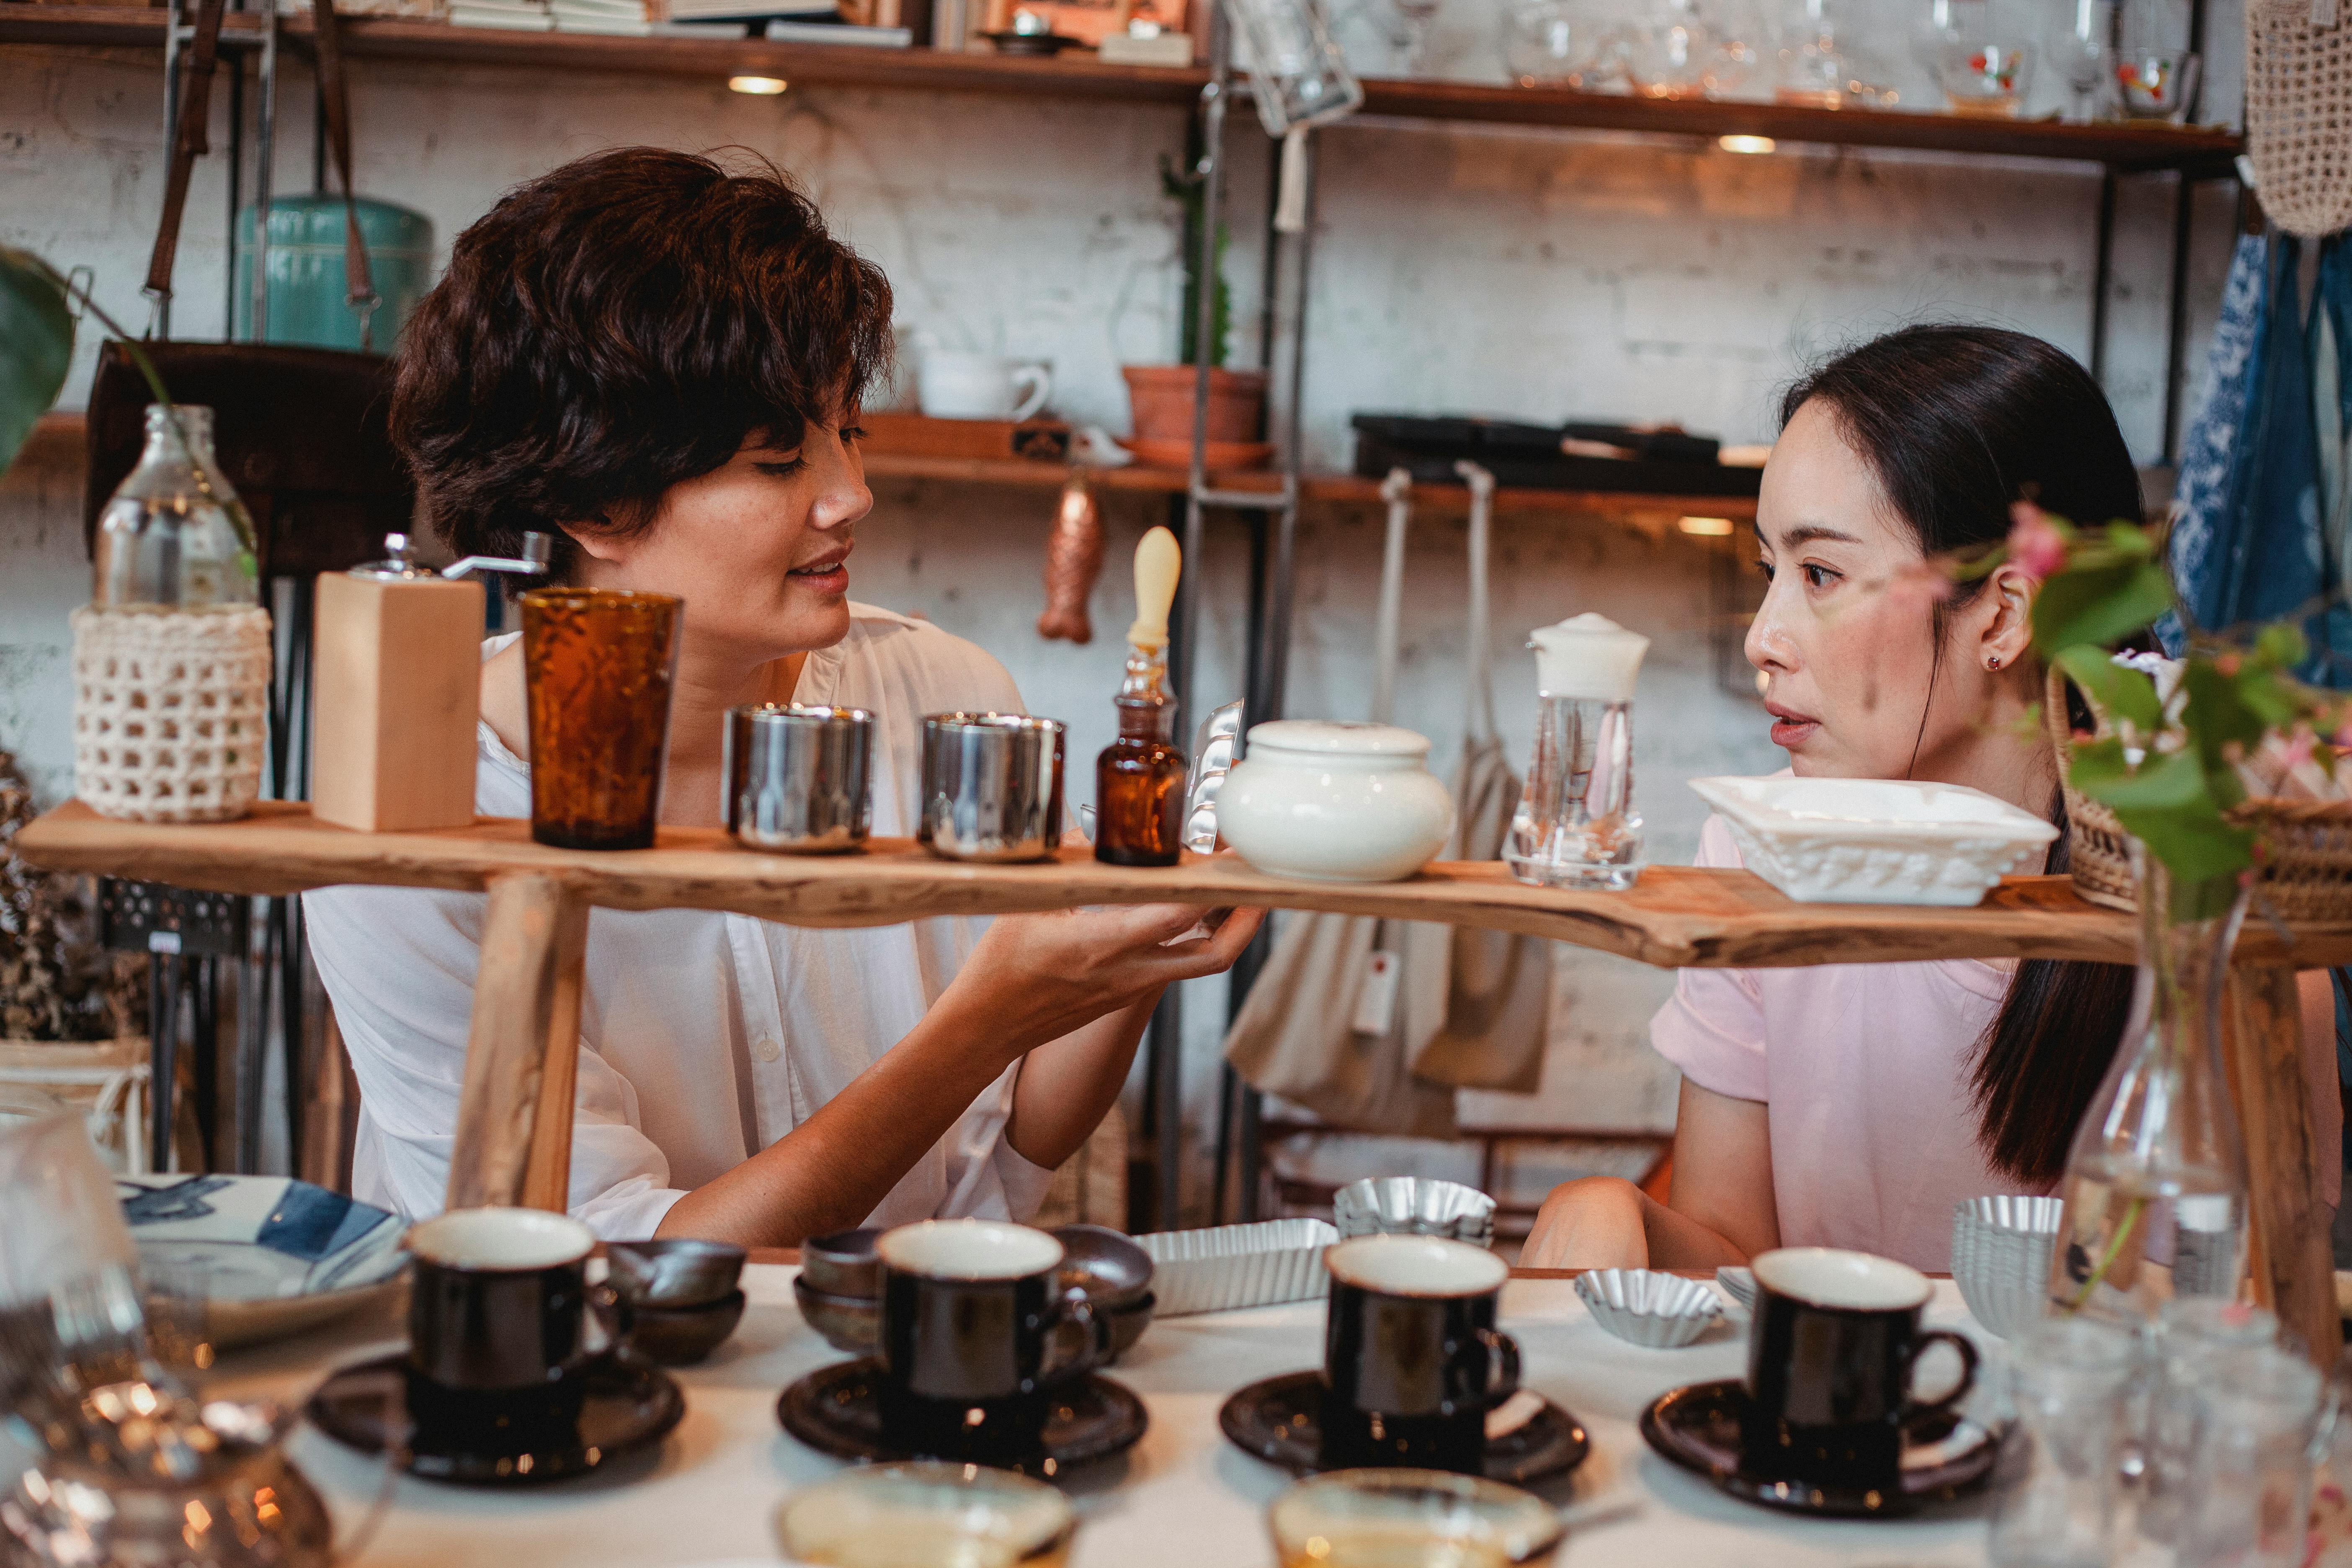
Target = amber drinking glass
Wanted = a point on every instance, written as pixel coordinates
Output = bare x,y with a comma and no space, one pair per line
598,665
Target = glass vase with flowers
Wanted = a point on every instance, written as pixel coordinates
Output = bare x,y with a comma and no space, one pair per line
2183,757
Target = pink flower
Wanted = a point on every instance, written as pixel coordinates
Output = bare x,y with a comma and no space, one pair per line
2295,750
2344,736
2036,546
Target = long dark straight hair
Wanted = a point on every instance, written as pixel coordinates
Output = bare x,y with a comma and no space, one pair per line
1958,423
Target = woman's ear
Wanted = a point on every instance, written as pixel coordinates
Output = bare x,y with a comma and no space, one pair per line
595,538
2005,633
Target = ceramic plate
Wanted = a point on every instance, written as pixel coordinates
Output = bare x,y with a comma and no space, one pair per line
1698,1427
283,1256
834,1411
1280,1420
628,1403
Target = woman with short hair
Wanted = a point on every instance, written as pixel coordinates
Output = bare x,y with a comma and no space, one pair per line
660,362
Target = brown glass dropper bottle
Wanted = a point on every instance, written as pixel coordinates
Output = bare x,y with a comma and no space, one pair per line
1139,778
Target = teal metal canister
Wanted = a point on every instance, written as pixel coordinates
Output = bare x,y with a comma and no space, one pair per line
307,298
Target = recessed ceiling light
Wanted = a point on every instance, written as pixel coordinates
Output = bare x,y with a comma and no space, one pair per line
1707,527
758,86
1747,143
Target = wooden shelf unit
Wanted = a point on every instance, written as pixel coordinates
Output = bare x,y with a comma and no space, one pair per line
1079,76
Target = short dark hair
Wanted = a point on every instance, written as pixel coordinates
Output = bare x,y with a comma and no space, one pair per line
1958,423
617,326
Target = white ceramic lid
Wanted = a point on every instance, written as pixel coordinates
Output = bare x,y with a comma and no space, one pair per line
1336,738
1588,656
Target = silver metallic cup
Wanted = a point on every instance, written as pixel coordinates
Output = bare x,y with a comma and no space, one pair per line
797,777
992,786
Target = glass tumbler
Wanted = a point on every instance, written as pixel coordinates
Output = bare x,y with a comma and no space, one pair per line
2248,1502
2194,1334
598,665
2059,1479
1576,826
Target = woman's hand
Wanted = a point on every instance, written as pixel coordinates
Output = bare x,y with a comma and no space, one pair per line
1034,978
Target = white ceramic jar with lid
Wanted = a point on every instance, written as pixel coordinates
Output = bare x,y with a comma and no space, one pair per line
1335,801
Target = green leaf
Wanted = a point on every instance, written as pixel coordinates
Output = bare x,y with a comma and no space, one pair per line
35,345
2168,803
2218,713
2280,645
2099,605
2118,691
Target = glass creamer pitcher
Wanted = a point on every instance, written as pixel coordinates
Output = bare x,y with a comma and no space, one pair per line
1576,826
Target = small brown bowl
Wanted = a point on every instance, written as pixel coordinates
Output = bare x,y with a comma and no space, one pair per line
842,1264
852,1324
676,1271
681,1336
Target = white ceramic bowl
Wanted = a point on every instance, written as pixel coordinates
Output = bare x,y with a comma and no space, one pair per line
2002,1250
1877,841
1335,802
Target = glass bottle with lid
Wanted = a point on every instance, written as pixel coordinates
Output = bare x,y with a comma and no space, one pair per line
174,535
1140,777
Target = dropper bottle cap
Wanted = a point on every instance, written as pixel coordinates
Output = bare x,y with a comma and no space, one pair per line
1157,565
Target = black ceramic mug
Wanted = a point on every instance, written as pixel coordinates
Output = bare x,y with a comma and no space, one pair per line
502,1318
1831,1352
1411,1359
975,1330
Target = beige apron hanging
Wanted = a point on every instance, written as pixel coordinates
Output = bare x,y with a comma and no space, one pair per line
2299,112
1495,986
1297,1035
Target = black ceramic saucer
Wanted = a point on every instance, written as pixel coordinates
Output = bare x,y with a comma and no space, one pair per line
1698,1427
626,1403
835,1411
1280,1420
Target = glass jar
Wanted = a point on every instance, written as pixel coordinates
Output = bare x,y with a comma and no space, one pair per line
2155,1183
171,654
174,535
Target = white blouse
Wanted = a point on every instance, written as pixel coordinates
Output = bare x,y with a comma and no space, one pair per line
704,1037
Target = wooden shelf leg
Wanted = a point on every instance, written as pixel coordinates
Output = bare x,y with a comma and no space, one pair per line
2292,1256
523,1053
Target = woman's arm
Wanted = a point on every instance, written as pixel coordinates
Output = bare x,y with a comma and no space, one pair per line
1032,979
1720,1211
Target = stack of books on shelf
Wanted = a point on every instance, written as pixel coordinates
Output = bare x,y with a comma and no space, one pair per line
513,15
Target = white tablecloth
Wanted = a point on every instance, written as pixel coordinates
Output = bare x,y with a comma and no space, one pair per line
1183,1497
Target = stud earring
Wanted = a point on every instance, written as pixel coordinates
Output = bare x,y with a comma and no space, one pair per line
1993,663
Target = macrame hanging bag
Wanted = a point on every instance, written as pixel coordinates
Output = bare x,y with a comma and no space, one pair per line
2299,112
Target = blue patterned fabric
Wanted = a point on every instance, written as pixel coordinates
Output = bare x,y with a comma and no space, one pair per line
2250,540
2331,367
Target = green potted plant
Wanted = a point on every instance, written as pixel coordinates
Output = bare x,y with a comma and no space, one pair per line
1160,396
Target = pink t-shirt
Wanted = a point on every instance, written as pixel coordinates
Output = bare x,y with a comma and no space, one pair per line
1865,1070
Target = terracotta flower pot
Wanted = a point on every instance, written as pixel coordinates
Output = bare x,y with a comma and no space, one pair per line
1162,398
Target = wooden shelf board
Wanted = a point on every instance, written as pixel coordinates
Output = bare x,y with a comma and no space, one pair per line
60,439
1079,75
1673,917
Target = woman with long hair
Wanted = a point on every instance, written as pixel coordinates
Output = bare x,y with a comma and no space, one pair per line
1853,1105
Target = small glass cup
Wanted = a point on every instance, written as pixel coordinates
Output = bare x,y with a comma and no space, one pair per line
175,1293
2248,1502
2193,1337
1410,1518
1985,80
928,1516
598,666
2059,1482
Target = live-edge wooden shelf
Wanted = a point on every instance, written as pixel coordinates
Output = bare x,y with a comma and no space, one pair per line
1673,917
1079,76
513,1139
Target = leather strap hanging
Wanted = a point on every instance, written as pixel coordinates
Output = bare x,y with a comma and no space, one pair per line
190,141
359,285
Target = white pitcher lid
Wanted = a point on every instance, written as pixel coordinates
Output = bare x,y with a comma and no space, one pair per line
1336,738
1588,656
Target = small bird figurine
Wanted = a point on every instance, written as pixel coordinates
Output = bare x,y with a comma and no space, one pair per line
1074,558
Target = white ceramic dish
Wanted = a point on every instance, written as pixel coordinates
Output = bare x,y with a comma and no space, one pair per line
280,1255
1661,1312
1335,802
1228,1267
1877,841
